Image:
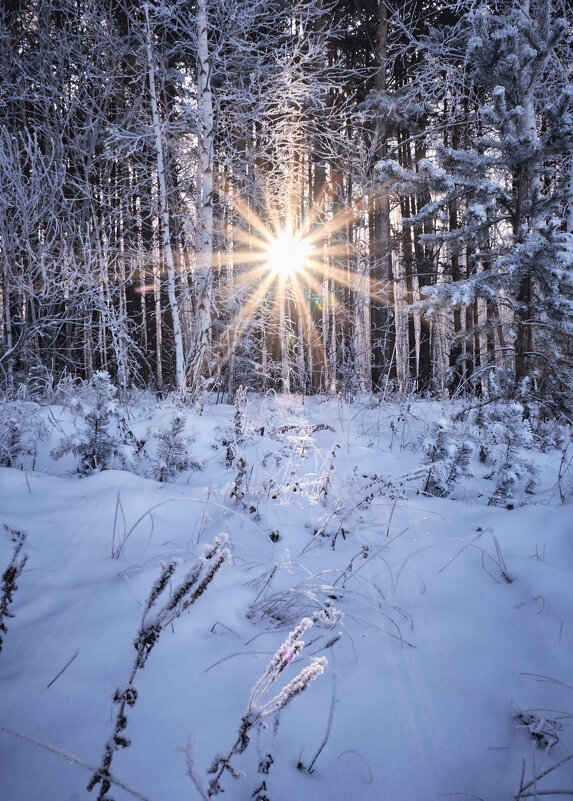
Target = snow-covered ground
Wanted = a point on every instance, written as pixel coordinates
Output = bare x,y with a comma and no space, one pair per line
446,622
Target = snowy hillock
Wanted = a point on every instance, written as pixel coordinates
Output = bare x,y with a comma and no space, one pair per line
328,600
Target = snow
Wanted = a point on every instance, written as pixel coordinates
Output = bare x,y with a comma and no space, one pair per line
450,670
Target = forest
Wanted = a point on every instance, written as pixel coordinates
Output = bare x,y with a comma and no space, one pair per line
286,400
303,195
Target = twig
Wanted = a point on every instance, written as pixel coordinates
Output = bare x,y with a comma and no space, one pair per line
501,561
391,516
328,725
66,666
350,751
75,759
455,556
115,554
541,775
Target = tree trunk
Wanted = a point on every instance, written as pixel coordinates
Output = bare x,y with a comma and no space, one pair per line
164,215
204,275
382,318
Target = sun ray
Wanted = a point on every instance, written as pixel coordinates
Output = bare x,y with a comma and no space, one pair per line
250,217
292,265
313,282
242,318
250,240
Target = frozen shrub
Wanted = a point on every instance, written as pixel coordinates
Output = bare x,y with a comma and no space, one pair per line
240,418
37,383
448,454
10,436
12,572
173,451
237,438
19,427
550,435
95,409
509,433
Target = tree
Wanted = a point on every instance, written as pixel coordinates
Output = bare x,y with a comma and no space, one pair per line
181,380
507,181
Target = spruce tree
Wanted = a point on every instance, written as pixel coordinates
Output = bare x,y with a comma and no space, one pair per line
498,82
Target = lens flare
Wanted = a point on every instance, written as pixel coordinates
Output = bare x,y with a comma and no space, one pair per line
287,255
285,275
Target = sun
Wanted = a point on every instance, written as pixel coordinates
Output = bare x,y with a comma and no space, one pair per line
283,270
287,254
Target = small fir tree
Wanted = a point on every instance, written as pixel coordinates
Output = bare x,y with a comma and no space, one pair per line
448,458
172,451
93,442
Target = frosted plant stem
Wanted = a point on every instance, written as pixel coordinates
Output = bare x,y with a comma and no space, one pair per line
184,595
542,774
328,726
258,710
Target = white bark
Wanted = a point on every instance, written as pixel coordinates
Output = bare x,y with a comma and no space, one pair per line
164,214
204,275
283,334
362,334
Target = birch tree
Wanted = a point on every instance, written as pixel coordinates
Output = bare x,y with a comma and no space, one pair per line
204,275
180,373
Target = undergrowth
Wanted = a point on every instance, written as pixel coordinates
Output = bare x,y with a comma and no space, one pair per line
159,614
9,577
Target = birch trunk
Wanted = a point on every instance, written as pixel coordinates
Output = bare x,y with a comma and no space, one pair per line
181,383
283,336
362,341
204,277
523,223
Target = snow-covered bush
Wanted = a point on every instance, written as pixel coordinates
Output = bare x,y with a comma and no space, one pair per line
19,427
233,442
507,432
172,455
94,441
240,418
448,454
37,384
499,433
549,433
10,434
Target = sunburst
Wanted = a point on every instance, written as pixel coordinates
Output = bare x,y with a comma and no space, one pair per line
276,260
288,254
